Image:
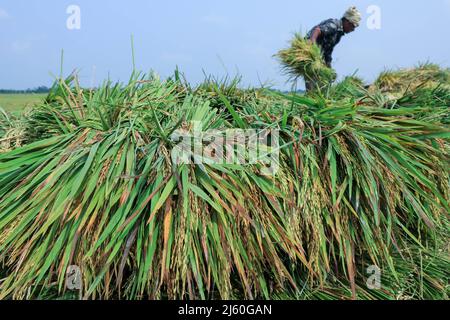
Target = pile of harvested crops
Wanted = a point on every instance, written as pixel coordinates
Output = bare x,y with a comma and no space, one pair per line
11,131
303,59
426,75
362,185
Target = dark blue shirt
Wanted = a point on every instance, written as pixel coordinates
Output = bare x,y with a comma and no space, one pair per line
331,32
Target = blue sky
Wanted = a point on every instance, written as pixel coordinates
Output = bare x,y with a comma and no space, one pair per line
216,37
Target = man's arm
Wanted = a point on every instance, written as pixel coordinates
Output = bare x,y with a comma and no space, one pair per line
315,35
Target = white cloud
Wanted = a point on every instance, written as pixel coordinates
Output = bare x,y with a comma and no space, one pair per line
3,14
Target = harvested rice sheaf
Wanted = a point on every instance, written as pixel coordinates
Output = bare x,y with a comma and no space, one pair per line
11,131
426,75
303,59
358,185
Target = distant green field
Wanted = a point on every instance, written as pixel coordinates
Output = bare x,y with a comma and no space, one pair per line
19,101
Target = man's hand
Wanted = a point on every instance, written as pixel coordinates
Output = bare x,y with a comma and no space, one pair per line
315,35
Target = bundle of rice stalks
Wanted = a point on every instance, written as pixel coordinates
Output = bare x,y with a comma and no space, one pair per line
435,103
424,76
69,107
356,186
11,131
304,59
212,89
427,102
5,122
351,87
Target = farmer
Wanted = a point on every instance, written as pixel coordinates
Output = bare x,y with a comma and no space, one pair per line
329,32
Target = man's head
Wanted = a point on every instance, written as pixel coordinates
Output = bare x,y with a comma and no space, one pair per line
351,19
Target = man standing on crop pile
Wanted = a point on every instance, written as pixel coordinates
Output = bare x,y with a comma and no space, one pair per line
329,32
